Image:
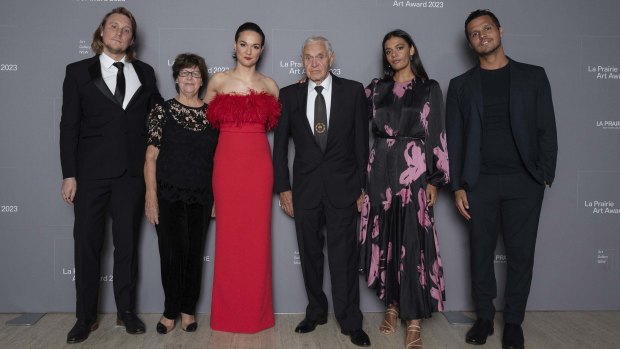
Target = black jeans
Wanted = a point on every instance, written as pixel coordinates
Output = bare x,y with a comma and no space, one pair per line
181,233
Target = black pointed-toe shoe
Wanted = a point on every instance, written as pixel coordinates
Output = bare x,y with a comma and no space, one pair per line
129,319
191,327
308,325
162,329
513,337
80,331
358,337
479,332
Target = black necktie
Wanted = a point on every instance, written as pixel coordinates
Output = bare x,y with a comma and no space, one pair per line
320,119
119,92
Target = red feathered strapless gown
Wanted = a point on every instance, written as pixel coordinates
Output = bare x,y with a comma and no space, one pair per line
243,192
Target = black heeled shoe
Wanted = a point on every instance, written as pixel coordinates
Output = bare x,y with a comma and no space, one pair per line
191,327
162,329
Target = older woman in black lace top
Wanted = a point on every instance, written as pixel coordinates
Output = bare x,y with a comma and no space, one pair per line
179,195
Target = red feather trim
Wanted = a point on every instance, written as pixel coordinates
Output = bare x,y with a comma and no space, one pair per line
254,107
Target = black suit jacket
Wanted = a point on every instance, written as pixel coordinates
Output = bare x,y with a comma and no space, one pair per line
339,172
531,117
98,139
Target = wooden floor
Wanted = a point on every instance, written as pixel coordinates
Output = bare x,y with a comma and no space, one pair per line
600,330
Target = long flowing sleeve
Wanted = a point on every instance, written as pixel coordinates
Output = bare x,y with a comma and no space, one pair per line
370,91
436,147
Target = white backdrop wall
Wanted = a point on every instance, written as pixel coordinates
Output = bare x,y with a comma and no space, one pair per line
578,42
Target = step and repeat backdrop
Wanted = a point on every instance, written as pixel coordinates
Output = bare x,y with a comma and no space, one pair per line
578,42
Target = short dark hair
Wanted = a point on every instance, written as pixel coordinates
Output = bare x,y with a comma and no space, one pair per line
416,62
479,13
188,60
97,44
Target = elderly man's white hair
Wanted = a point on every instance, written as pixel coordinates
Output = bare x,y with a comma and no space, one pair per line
328,45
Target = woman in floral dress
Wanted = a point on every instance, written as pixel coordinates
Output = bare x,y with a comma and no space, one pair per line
407,164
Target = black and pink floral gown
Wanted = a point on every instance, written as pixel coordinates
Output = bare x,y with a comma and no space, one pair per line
399,250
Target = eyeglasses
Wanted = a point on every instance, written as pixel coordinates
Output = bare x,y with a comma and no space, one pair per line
187,73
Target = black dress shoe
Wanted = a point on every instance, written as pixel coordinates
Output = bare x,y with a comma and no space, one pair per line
513,337
129,319
191,327
308,325
358,337
479,332
80,331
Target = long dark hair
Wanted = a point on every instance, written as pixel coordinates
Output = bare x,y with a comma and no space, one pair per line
416,62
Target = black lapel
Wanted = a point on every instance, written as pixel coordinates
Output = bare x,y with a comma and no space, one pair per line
302,101
475,87
337,95
95,75
515,87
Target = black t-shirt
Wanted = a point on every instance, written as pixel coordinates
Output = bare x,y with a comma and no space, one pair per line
499,151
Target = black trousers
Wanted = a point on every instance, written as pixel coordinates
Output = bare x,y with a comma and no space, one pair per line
123,199
510,203
341,224
181,234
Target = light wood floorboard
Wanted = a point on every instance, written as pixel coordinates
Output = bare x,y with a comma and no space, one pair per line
566,330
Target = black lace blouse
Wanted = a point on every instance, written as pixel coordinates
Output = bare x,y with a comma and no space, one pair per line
186,143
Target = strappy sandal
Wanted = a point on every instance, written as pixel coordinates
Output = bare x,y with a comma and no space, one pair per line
414,336
390,320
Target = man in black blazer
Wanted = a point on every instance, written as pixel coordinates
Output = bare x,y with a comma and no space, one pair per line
102,144
503,148
326,117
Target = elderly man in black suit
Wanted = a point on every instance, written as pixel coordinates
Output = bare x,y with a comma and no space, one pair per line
503,147
102,144
326,117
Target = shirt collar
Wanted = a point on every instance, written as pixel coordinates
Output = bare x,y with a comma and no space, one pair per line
327,83
107,61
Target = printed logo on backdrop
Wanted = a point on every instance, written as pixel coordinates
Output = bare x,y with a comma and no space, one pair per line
604,207
419,4
64,267
296,68
84,47
607,258
8,67
9,209
68,273
210,69
603,72
608,124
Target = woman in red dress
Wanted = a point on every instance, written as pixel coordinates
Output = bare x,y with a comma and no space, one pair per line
243,104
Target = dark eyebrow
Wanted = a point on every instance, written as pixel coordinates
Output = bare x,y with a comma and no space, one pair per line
250,43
